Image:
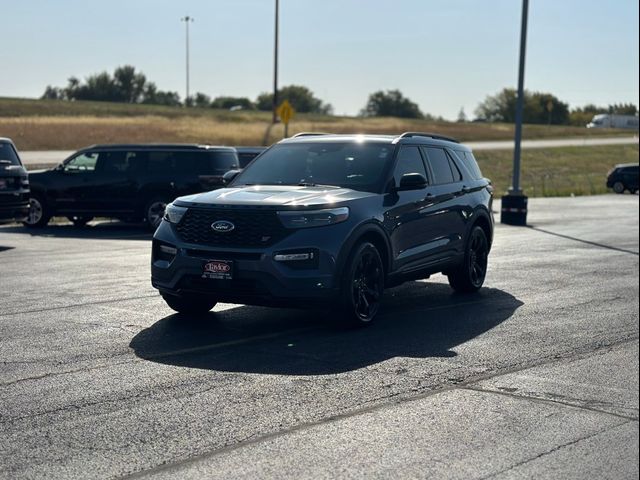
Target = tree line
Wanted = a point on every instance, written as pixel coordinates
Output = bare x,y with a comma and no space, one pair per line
130,86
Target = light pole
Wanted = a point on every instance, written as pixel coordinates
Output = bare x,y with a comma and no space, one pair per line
275,64
187,20
514,204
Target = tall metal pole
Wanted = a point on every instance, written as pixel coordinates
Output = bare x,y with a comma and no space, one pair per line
187,20
515,202
515,185
275,64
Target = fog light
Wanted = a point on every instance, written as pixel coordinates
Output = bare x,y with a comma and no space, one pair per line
169,250
293,257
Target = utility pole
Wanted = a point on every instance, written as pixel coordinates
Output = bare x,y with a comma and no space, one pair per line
187,20
514,204
275,64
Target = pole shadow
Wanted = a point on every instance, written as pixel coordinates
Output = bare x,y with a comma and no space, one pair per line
418,319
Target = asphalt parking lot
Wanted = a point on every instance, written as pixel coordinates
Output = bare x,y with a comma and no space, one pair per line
536,376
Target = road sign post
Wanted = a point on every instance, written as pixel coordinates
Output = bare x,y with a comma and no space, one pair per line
286,112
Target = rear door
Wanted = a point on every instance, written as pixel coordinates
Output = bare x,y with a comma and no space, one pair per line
449,192
114,185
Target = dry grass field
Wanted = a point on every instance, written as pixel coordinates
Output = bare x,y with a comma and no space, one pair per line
58,125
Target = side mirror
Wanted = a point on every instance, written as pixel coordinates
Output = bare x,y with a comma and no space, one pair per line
228,177
412,181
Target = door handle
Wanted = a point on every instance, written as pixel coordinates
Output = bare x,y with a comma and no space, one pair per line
465,189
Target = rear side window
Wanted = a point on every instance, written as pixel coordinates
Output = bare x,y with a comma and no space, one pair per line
409,161
8,155
470,163
440,166
221,162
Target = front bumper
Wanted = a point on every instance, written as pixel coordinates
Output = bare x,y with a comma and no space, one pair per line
14,211
258,279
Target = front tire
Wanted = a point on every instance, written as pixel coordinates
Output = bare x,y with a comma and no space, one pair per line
469,276
39,212
189,305
363,285
618,187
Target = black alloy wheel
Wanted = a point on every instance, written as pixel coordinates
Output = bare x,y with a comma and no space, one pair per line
469,277
364,285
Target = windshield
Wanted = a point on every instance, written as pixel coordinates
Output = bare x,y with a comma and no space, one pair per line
359,166
8,155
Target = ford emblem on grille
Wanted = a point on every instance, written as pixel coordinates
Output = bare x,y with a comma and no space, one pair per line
222,226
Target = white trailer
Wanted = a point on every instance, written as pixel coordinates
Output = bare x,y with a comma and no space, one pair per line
608,120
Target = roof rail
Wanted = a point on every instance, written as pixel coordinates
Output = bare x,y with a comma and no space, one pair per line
309,134
435,136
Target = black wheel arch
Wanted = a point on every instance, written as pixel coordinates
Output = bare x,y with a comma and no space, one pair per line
481,218
368,232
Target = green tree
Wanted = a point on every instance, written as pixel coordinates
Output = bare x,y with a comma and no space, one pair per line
300,97
129,84
229,102
538,108
390,104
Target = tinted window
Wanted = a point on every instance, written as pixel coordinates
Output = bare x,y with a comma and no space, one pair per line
113,162
85,162
8,154
457,176
359,166
220,163
440,168
409,161
470,163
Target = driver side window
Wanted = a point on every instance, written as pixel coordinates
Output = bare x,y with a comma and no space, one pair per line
409,161
85,162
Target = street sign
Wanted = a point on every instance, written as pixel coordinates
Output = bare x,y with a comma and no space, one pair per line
286,112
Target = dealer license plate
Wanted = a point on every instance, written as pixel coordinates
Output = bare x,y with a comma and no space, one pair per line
218,269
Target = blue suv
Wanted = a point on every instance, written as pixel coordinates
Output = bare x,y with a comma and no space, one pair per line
329,220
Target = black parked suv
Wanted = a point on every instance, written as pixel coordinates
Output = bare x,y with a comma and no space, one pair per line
329,220
623,177
14,184
247,154
130,182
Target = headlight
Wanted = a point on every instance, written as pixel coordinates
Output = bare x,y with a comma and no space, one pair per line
313,218
173,213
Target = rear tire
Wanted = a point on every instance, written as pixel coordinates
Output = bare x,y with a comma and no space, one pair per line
618,187
189,305
363,285
470,275
39,212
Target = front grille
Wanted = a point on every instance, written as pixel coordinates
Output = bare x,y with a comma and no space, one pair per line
231,287
253,227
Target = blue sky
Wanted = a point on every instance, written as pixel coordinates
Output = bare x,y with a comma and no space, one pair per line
443,54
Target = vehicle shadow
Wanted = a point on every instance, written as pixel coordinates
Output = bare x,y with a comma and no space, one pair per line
113,230
418,320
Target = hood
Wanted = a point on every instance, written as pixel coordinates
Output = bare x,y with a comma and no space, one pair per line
274,195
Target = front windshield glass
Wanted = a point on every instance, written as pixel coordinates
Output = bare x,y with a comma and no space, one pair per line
354,165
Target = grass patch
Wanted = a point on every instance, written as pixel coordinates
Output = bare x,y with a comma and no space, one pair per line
60,125
557,171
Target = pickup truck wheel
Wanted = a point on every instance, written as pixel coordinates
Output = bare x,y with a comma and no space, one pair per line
39,212
469,276
189,305
363,285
